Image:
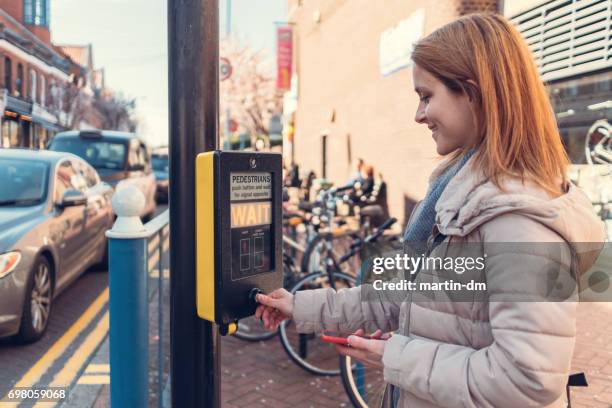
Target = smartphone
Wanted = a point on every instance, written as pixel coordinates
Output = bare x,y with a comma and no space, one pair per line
336,338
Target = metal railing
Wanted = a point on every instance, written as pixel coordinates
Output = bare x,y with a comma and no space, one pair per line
139,305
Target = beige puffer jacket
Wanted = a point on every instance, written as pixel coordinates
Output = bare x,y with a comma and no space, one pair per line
504,353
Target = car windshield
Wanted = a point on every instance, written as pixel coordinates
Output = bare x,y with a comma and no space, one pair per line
24,182
100,154
160,163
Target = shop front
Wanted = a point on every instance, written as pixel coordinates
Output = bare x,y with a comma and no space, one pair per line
16,122
579,102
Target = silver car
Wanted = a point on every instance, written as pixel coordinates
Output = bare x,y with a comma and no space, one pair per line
122,159
54,211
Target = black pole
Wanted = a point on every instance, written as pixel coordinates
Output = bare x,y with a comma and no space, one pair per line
193,53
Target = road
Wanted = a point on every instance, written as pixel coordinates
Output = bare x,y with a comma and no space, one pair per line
78,325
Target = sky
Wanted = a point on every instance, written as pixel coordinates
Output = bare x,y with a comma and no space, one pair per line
129,40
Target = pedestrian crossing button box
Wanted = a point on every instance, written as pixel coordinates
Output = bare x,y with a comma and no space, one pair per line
238,233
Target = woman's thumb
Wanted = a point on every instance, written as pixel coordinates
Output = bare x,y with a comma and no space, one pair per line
266,300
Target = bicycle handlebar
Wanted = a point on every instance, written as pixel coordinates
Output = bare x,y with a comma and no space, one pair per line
357,245
342,189
379,231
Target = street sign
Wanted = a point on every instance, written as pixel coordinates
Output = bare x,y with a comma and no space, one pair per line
225,69
238,233
233,125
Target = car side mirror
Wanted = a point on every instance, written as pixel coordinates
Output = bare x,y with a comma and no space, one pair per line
137,167
72,198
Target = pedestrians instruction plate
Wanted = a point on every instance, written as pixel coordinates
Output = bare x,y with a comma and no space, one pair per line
239,232
251,215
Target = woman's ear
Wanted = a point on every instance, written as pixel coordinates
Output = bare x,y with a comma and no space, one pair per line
471,89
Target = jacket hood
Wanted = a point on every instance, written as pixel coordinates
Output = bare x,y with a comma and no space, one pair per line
470,199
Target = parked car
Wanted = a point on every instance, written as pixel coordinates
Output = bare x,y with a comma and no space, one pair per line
159,159
122,159
54,212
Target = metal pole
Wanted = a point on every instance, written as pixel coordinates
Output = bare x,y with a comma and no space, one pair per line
228,31
228,15
193,52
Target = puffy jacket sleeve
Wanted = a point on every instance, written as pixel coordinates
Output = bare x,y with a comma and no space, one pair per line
344,311
528,361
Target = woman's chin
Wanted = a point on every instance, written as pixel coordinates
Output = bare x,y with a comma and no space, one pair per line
443,150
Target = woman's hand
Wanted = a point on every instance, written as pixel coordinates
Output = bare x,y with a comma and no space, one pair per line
274,308
368,351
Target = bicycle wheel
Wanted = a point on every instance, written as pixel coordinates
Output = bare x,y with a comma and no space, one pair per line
308,350
598,143
252,329
365,386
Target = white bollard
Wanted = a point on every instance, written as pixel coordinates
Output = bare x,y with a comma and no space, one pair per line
128,204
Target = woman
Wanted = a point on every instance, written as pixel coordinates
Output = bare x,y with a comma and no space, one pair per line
503,181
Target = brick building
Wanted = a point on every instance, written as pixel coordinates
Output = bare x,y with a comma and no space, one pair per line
34,76
354,93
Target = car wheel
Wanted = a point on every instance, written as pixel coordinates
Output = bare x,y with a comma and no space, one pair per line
37,304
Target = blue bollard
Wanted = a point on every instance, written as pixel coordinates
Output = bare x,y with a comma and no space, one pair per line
129,323
129,317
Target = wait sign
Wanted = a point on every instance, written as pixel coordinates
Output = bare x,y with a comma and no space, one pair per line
251,214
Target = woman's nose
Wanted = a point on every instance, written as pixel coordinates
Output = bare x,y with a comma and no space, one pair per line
420,116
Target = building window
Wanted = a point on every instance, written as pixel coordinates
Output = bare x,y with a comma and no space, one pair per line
36,12
19,82
10,134
8,74
43,91
33,85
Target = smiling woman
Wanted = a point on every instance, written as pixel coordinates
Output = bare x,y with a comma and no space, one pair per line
503,180
23,182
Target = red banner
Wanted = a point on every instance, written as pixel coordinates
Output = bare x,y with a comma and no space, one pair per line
284,55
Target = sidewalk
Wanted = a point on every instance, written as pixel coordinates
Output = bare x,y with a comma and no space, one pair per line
262,375
253,375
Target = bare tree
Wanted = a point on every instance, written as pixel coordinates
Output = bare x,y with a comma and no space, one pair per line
250,93
68,104
117,111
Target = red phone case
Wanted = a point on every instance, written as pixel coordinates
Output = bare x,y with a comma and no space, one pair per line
343,341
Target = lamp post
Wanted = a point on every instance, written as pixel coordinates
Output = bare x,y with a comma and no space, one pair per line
193,119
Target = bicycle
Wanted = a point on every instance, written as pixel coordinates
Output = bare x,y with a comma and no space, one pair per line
306,350
598,151
365,386
598,143
313,219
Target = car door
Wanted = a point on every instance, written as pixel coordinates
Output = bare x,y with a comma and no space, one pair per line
148,177
69,221
97,210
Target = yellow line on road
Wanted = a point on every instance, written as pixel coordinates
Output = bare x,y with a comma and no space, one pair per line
98,368
35,373
94,379
68,373
70,370
153,260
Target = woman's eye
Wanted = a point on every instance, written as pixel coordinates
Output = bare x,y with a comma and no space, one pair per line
424,98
